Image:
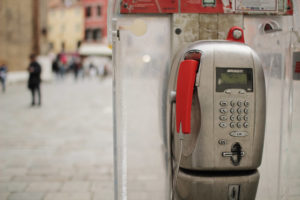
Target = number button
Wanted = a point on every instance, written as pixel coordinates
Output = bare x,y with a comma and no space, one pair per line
246,110
239,103
232,103
246,125
246,103
239,125
246,117
240,110
223,125
223,117
223,103
232,117
223,110
239,117
232,125
232,110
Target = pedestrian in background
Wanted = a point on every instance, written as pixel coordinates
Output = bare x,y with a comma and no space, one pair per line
55,66
63,61
3,72
34,80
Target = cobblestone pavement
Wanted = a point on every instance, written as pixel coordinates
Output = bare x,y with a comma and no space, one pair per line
62,150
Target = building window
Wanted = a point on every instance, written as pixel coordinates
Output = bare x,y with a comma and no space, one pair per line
88,34
97,34
88,11
99,10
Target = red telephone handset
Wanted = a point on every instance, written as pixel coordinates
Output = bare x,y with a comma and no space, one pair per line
184,94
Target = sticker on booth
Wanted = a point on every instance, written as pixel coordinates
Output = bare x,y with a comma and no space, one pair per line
202,6
149,6
256,5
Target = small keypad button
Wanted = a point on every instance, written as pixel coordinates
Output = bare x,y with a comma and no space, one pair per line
246,103
240,110
232,125
222,142
232,117
246,124
239,125
239,103
223,110
246,110
223,117
239,117
223,103
232,103
246,117
238,134
232,110
223,125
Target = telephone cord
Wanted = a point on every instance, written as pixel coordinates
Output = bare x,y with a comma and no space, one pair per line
181,137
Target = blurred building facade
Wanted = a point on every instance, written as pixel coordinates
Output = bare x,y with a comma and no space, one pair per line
65,25
95,20
23,31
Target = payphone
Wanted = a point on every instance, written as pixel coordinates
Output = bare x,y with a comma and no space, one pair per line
216,114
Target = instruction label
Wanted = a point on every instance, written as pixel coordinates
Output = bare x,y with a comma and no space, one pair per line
149,6
256,5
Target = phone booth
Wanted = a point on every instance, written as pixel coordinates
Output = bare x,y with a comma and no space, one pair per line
205,99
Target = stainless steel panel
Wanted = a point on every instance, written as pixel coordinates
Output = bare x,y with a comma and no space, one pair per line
241,186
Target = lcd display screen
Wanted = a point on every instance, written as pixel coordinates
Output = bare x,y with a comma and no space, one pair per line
234,78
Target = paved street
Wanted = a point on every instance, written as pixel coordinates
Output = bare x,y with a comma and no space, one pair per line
62,150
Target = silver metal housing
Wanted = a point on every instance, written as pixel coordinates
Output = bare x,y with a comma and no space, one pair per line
206,147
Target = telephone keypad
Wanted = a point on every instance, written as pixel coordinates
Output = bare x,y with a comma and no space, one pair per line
239,121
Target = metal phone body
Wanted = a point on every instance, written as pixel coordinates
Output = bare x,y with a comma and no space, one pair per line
238,186
228,108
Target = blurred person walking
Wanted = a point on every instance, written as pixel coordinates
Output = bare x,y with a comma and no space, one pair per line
34,80
3,72
55,66
63,61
